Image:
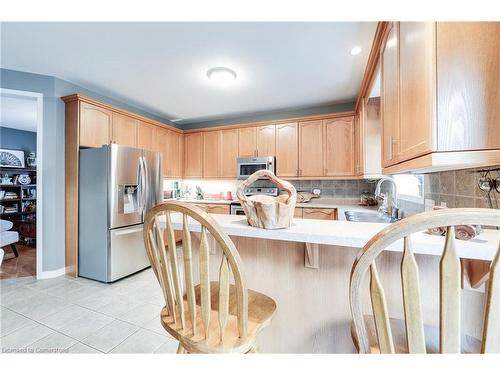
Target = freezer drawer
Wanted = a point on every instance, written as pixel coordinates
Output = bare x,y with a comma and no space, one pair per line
127,253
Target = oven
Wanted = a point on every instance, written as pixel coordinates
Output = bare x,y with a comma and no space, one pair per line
236,209
247,166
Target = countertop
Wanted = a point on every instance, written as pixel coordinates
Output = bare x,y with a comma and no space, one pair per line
350,234
327,202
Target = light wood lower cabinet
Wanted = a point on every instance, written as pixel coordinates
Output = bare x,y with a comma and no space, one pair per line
287,156
319,213
193,155
311,148
95,125
339,155
297,212
215,208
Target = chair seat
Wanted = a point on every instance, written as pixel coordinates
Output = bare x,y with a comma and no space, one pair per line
261,310
469,344
8,237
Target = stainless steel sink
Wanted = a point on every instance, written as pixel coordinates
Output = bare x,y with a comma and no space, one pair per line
367,217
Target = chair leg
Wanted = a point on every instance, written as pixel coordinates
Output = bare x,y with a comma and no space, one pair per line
14,250
180,349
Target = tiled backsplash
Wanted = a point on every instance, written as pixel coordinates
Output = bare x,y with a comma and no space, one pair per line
336,188
455,189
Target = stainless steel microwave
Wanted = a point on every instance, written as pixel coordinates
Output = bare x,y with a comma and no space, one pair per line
246,166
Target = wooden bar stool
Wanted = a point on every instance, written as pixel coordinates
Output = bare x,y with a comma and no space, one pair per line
375,333
213,316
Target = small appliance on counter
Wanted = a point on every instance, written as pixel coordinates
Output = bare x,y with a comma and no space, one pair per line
118,184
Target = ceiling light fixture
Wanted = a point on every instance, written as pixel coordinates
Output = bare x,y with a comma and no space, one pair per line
356,50
221,75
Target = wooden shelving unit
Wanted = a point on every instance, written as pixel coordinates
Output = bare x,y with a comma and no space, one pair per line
23,200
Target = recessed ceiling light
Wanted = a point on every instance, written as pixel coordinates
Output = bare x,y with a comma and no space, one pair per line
221,75
356,50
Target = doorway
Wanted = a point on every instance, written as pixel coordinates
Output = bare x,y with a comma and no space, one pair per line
21,122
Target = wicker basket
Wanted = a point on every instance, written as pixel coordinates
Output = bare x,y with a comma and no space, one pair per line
263,211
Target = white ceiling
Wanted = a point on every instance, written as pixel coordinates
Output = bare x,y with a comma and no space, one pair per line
18,112
161,67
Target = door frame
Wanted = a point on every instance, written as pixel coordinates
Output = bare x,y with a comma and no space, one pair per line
39,176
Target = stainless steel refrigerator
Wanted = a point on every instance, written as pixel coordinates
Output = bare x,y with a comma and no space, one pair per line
117,185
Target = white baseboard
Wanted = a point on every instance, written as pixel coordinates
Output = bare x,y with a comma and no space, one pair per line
51,274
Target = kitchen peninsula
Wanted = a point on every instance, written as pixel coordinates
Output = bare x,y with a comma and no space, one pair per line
312,289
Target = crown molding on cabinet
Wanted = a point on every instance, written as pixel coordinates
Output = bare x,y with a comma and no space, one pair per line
272,122
373,60
83,98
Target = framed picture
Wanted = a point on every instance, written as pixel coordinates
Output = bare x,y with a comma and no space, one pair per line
11,158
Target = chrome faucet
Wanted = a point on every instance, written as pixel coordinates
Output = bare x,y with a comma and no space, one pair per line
389,205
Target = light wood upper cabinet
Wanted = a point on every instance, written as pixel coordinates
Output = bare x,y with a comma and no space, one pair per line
124,130
229,152
175,153
95,125
247,141
468,79
311,148
145,135
266,140
211,154
390,95
287,156
339,146
193,155
417,75
161,139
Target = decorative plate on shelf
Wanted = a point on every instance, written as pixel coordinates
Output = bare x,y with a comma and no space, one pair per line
24,179
11,158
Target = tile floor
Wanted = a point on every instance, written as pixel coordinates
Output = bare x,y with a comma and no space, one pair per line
65,315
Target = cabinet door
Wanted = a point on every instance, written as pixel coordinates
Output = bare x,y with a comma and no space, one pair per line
468,74
95,125
320,213
145,135
247,143
161,139
174,154
417,77
390,95
266,140
217,209
310,148
339,146
193,154
211,154
124,130
229,152
287,155
297,212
